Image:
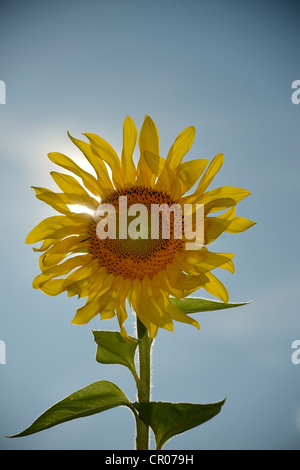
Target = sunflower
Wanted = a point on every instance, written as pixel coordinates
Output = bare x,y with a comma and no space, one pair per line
144,272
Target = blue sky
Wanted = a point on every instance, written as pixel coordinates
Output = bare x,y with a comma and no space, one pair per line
225,68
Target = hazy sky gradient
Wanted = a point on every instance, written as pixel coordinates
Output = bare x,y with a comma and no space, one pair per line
225,67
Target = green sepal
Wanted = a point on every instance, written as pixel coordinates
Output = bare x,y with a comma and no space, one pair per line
169,419
95,398
112,348
198,304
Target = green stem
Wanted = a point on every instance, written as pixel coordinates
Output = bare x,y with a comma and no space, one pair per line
142,429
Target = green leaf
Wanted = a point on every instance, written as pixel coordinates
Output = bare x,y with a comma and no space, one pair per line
198,304
114,349
96,397
169,419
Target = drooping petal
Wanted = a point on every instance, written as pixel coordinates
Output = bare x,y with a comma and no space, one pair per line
135,298
125,287
229,266
178,315
80,287
84,287
153,303
85,313
216,288
92,307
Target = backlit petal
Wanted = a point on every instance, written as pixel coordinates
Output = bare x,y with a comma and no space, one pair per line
148,141
106,152
129,141
181,146
216,288
88,180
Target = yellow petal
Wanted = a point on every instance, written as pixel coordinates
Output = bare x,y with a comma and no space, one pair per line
129,141
229,266
148,141
88,180
178,315
108,304
75,193
84,287
189,172
87,312
179,284
61,269
59,201
153,303
181,146
206,179
125,287
202,261
52,199
121,308
156,164
68,245
224,192
45,245
106,152
135,297
46,226
84,271
80,287
46,261
75,229
114,297
59,226
92,307
84,200
216,288
52,287
97,163
213,228
226,216
239,224
218,204
122,315
166,180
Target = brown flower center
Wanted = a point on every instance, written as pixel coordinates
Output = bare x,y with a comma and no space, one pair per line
137,258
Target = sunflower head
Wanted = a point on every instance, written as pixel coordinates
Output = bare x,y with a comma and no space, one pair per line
132,244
